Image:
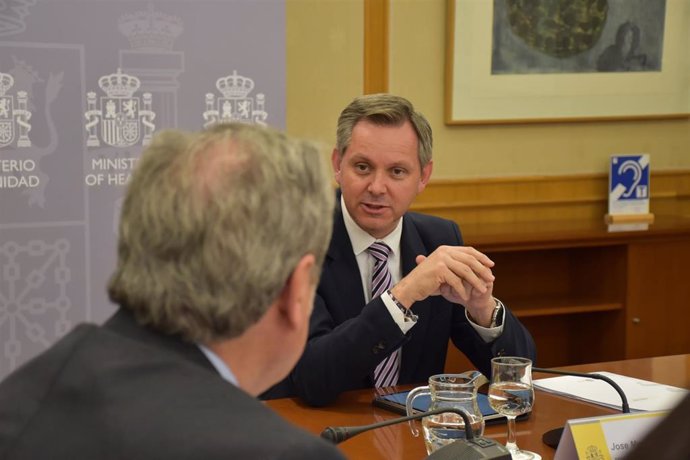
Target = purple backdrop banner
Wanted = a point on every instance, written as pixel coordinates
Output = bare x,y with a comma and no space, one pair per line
84,85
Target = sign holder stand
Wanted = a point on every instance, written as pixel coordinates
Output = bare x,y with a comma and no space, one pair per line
629,218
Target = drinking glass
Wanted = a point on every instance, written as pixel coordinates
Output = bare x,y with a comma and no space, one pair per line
511,394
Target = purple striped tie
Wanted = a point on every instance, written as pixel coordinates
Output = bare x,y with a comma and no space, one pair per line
386,373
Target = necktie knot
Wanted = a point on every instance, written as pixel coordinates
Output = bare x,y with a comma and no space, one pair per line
379,250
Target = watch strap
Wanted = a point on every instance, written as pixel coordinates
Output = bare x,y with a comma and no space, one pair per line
496,315
409,316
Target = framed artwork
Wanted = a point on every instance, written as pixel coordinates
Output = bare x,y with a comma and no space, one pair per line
527,61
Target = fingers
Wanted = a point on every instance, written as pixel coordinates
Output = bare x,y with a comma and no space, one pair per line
470,265
464,264
462,252
476,278
458,276
452,295
456,284
470,251
456,272
482,257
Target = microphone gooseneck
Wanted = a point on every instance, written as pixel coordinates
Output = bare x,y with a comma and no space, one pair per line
339,434
625,408
552,437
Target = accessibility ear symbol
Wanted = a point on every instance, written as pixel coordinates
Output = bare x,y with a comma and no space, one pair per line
629,177
629,190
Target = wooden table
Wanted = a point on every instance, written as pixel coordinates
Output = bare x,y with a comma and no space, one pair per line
549,411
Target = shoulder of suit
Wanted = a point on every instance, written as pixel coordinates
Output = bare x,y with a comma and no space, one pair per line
286,440
418,217
426,221
433,229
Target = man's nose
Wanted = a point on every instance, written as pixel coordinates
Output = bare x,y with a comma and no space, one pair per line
378,183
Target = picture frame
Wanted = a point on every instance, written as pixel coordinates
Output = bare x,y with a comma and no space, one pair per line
476,94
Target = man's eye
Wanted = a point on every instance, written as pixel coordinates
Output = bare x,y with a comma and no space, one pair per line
362,167
398,172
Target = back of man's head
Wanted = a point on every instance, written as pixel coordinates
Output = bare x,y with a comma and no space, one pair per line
212,226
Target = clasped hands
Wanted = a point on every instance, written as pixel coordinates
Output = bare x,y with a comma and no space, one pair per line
460,274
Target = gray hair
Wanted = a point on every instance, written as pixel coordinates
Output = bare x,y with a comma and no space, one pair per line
387,110
214,223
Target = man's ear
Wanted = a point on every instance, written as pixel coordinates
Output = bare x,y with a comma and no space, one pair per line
296,299
336,161
426,175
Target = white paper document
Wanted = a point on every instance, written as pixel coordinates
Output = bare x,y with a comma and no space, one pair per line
642,395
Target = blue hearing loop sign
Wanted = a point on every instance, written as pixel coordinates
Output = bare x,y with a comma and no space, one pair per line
629,177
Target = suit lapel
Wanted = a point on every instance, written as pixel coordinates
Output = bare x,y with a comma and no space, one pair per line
411,245
342,269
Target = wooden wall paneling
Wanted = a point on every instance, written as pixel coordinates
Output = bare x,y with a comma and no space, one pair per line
565,340
577,338
598,275
658,310
376,18
543,198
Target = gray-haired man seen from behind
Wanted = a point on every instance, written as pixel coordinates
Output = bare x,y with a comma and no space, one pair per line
221,240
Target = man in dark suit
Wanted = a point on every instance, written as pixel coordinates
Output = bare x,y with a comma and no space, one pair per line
395,285
221,241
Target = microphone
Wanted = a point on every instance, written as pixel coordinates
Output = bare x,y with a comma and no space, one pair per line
338,434
552,437
473,447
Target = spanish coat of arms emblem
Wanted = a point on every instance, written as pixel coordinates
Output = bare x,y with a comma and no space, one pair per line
235,104
14,119
123,117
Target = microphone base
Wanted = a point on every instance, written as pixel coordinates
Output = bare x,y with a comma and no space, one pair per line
476,449
552,437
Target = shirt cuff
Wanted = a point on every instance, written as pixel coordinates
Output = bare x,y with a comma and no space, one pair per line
404,323
489,334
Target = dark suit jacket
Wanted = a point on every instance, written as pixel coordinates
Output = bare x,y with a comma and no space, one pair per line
668,440
347,338
125,392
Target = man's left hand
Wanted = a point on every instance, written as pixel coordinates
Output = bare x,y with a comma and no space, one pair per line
480,306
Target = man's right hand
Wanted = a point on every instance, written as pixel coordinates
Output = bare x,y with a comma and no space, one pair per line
460,273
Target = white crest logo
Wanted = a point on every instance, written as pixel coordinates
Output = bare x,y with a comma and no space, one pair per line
12,15
120,113
236,104
9,113
150,30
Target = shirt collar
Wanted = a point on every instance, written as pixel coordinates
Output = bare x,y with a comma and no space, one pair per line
361,240
220,365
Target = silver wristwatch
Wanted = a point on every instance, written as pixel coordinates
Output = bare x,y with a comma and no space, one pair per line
495,314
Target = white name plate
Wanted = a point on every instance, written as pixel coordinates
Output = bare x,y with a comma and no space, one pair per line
609,437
